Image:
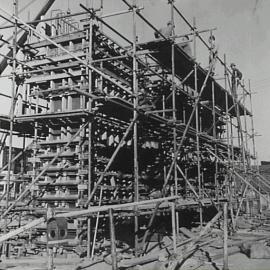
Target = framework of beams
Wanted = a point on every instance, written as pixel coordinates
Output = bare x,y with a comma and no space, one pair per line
122,134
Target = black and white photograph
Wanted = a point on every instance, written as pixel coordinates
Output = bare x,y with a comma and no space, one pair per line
134,135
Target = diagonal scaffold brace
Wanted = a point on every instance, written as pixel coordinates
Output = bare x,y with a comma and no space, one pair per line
177,153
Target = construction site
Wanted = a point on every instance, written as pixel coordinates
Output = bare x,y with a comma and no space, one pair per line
123,154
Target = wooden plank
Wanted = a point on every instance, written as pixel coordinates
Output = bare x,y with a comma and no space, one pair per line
55,59
58,198
64,65
54,115
58,39
22,229
94,209
187,232
64,75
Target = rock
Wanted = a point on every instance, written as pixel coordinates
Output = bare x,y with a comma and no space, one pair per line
256,250
259,251
242,223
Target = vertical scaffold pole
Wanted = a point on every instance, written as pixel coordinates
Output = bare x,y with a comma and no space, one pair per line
112,235
89,185
13,90
252,123
245,122
215,136
197,121
227,135
227,109
171,2
135,128
173,226
229,120
225,230
245,144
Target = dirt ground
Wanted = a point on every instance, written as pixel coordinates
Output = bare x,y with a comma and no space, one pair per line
237,261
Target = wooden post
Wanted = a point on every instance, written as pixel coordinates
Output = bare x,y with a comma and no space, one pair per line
96,227
197,115
50,259
259,205
225,246
174,115
247,207
113,247
215,137
173,226
252,123
135,127
13,93
50,214
90,128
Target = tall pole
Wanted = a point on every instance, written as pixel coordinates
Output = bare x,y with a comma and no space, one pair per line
227,109
197,120
239,124
245,145
135,128
245,120
13,90
225,231
112,235
15,12
252,121
174,112
173,226
90,105
228,140
215,136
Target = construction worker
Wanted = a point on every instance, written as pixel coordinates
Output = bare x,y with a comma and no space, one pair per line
165,31
236,78
213,53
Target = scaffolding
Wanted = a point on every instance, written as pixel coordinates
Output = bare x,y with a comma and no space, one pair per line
124,135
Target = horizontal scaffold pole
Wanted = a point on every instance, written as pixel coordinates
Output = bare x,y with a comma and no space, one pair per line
87,212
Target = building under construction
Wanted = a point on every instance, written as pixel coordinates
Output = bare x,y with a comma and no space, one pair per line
130,150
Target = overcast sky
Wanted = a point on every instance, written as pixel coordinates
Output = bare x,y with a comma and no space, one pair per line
242,33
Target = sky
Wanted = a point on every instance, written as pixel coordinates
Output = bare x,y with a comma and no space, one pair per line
242,34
